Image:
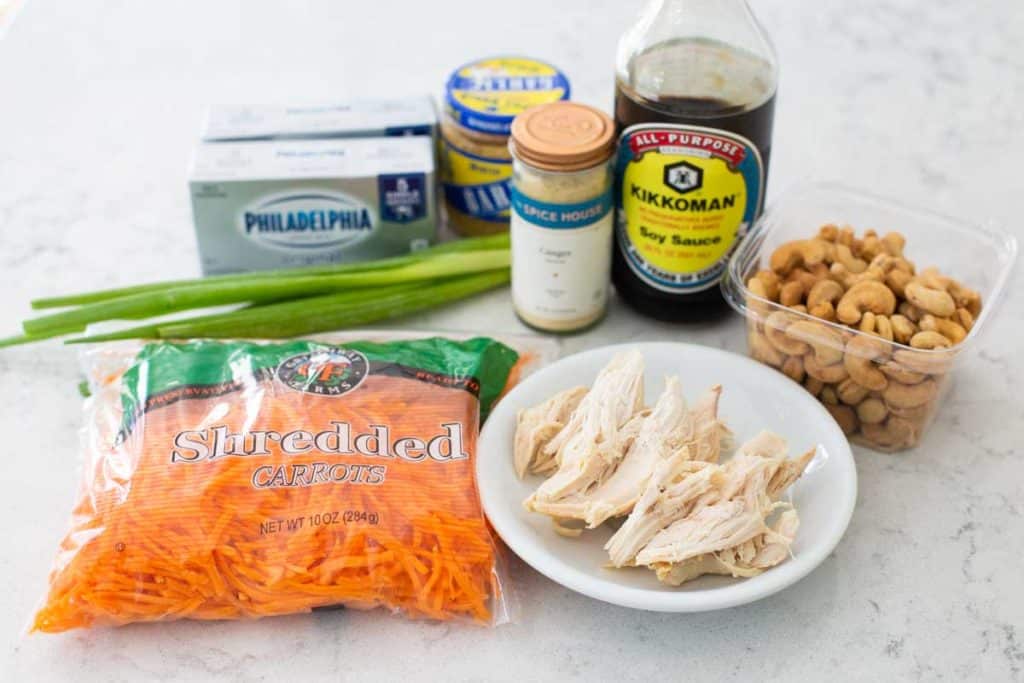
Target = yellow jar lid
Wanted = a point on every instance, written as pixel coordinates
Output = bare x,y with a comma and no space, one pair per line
484,96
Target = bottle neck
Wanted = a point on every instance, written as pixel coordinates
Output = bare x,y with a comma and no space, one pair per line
698,49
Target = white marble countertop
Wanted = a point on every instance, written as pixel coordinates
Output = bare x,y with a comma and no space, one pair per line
917,99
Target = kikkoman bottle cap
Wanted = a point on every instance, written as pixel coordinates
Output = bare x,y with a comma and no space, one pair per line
563,136
484,96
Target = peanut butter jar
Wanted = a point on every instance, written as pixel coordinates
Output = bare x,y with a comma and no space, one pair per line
481,100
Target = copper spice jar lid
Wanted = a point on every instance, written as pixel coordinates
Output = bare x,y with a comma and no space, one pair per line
563,136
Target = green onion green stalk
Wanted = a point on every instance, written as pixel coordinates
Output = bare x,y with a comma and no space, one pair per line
282,303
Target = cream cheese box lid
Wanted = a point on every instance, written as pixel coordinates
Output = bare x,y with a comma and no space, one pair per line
335,158
360,118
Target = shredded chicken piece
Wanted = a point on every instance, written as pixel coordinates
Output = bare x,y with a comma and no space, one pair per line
598,433
536,426
727,531
662,433
745,560
705,433
672,491
688,515
604,397
668,428
707,529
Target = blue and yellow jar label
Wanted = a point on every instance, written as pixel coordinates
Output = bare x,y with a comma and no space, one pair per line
486,95
561,216
475,185
685,195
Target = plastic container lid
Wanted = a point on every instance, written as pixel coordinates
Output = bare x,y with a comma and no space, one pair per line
563,136
486,95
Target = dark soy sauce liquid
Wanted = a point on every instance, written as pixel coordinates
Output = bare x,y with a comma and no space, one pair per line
750,82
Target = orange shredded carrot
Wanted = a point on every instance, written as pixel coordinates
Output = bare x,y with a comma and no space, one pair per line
165,530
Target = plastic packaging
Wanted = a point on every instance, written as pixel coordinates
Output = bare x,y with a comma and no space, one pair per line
980,258
232,479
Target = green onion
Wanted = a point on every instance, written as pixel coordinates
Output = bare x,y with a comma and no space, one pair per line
18,339
321,313
281,303
500,241
257,289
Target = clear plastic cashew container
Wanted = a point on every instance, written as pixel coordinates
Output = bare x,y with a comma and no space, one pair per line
883,389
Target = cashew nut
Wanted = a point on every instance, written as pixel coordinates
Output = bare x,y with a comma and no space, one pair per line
867,323
799,308
916,414
813,385
893,243
828,396
851,393
964,317
844,416
902,328
894,433
933,279
965,297
846,258
828,232
949,329
865,296
910,395
829,374
761,350
791,293
910,311
775,326
929,339
870,246
883,327
818,270
843,276
935,301
770,281
898,281
804,277
824,310
798,252
861,352
924,362
755,288
846,236
871,411
894,370
826,342
793,367
824,291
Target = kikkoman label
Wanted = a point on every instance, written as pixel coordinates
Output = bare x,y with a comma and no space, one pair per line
685,195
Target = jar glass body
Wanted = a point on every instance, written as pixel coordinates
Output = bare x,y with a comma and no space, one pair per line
561,245
476,169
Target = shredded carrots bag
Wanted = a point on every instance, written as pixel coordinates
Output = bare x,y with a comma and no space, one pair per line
233,479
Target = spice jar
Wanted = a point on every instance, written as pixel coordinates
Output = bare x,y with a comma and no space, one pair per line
561,215
481,100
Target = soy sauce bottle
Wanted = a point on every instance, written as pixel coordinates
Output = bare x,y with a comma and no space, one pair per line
694,104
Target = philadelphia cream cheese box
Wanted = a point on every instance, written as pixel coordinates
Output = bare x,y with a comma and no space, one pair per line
285,203
358,118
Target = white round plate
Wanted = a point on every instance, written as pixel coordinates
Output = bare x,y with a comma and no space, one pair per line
754,397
